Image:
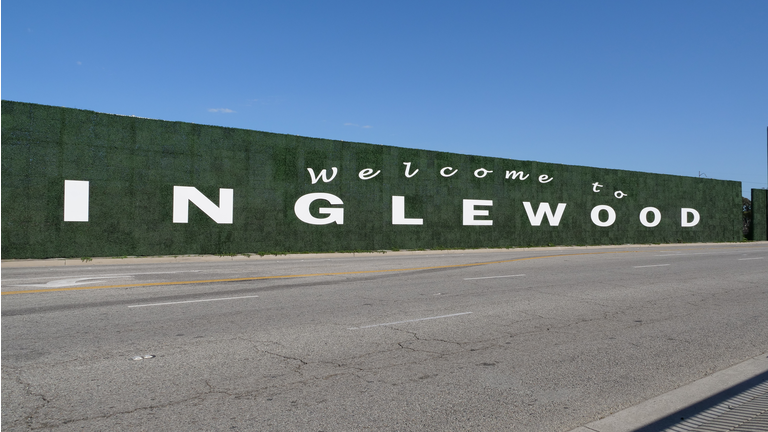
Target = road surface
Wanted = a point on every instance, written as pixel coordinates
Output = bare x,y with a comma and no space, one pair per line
543,339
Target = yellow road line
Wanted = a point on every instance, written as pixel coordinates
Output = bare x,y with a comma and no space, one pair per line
79,288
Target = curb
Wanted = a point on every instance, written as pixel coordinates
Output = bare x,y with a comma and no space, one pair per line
166,259
652,410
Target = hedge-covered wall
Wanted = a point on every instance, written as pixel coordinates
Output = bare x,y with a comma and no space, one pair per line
759,214
132,165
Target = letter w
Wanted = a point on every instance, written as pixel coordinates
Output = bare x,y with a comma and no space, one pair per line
323,174
183,195
544,209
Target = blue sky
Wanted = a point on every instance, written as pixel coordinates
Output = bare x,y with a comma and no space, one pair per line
673,87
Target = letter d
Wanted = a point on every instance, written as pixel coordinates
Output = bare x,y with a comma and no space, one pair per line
684,222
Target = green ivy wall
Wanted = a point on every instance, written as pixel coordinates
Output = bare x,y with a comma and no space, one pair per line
759,214
133,164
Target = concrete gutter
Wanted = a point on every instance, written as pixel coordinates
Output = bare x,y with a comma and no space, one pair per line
56,262
165,259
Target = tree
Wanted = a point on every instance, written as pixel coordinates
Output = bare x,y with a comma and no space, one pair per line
746,217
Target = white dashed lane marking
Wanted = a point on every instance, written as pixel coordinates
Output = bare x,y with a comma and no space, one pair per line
191,301
494,277
410,321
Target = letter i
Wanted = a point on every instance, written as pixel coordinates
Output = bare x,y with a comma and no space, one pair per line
76,197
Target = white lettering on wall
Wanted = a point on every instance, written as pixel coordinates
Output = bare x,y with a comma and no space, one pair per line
516,175
684,222
301,208
183,195
470,212
76,198
367,174
76,204
444,171
408,170
398,213
544,209
596,216
323,174
482,172
644,217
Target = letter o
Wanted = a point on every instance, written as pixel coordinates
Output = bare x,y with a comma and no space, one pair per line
644,217
481,172
596,216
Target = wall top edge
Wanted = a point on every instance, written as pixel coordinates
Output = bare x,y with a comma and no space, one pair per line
554,164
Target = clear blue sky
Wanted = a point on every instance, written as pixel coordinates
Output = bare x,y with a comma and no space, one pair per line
674,87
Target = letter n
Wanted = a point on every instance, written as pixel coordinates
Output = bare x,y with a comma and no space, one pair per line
183,195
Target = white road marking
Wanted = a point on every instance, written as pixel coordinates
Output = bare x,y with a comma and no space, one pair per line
192,301
688,254
61,283
410,321
494,277
110,276
747,259
655,265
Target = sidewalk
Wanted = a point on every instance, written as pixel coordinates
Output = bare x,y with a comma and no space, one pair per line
733,399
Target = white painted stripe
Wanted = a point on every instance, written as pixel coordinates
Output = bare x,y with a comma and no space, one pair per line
494,277
747,259
70,282
154,273
192,301
410,321
655,265
101,276
689,254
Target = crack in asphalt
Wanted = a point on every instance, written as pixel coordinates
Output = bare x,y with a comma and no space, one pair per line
27,388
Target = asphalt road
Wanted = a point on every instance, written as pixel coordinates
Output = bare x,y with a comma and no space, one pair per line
521,340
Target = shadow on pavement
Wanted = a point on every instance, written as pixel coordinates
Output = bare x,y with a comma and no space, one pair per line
688,412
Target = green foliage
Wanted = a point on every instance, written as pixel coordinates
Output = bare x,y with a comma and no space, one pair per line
746,212
133,163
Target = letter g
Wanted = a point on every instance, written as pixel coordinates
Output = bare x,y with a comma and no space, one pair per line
335,214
